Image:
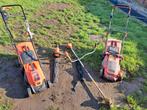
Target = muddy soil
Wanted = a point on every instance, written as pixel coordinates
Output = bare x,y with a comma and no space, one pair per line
60,95
132,86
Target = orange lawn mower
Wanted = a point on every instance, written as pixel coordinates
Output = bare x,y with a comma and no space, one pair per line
27,55
112,55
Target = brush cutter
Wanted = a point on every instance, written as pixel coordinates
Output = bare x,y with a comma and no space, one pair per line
80,67
27,55
112,54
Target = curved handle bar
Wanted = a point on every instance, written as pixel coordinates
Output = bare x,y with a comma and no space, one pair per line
123,6
9,6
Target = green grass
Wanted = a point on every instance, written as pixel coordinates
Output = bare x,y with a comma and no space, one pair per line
77,23
5,105
52,108
84,18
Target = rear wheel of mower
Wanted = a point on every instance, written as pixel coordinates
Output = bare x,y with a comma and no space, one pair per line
29,92
17,64
102,73
48,84
120,76
43,86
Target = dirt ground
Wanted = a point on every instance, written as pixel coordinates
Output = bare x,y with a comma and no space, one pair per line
60,95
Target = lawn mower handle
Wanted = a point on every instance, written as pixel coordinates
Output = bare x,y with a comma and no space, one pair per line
123,6
7,7
15,5
4,20
127,22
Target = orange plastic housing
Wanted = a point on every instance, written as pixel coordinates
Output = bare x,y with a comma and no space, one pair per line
32,70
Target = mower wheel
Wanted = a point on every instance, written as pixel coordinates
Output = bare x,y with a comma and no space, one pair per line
29,92
43,86
102,57
48,84
120,78
102,73
17,64
121,75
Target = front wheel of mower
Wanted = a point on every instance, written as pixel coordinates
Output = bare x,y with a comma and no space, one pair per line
43,85
29,92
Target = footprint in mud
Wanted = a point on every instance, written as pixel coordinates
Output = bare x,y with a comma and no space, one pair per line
53,97
43,100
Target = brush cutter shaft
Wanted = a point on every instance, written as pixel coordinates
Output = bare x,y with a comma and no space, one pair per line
88,73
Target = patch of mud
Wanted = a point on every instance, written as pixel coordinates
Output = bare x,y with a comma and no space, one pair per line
51,7
7,49
60,95
133,86
58,6
51,22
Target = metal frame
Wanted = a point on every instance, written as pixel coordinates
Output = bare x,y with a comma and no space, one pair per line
126,25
